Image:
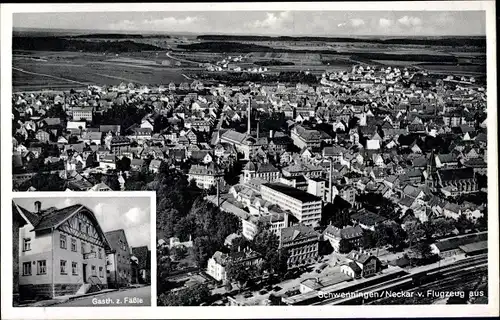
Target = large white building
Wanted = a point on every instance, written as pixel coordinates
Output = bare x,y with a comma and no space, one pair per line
206,177
304,206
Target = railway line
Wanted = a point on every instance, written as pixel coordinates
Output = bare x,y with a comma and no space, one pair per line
413,284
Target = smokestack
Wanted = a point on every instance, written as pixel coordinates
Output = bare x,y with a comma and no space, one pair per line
257,130
38,206
331,178
218,195
249,114
270,134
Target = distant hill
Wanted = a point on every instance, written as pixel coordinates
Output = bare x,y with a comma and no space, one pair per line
225,46
63,44
441,41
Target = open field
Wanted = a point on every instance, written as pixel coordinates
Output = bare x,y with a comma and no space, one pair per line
455,69
73,70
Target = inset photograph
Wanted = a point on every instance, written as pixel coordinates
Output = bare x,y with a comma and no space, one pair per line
81,251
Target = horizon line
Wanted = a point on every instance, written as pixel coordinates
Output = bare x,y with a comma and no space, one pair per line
97,31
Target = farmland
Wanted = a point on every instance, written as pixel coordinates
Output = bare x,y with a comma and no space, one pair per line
157,59
72,70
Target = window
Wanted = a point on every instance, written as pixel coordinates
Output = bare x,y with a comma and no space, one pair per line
73,245
74,268
26,268
83,247
80,227
87,230
92,249
100,253
62,264
101,273
62,241
41,267
26,244
93,271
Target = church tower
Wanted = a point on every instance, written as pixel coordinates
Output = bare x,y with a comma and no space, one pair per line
431,171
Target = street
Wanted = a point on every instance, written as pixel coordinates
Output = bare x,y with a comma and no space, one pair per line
126,297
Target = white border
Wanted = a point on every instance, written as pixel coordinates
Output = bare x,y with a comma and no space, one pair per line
9,312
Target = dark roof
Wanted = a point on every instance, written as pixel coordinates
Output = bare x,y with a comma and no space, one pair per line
292,192
456,174
32,217
52,218
368,218
114,238
475,246
297,232
354,266
454,243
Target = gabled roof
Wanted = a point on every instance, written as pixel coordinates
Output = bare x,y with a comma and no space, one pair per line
52,217
114,238
347,232
297,232
359,257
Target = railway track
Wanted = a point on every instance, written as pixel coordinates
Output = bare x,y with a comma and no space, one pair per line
410,282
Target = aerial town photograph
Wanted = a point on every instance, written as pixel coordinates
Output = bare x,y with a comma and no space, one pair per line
72,251
298,157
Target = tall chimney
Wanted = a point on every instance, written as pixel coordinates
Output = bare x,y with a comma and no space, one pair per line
218,195
257,130
38,206
331,178
249,114
270,134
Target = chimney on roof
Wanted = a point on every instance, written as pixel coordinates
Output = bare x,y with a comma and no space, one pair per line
38,206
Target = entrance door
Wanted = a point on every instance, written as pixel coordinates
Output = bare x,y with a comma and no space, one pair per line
84,273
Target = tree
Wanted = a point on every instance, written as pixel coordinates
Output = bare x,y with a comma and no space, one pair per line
179,252
164,268
123,164
185,227
369,240
336,213
203,250
414,230
463,224
397,236
381,236
240,273
278,263
191,296
238,244
421,250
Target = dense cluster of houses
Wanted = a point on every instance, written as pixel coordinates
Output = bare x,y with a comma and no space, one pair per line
362,131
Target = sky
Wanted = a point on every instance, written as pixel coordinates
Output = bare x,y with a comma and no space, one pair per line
131,213
314,23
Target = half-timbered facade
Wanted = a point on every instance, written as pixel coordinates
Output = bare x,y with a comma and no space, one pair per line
62,252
